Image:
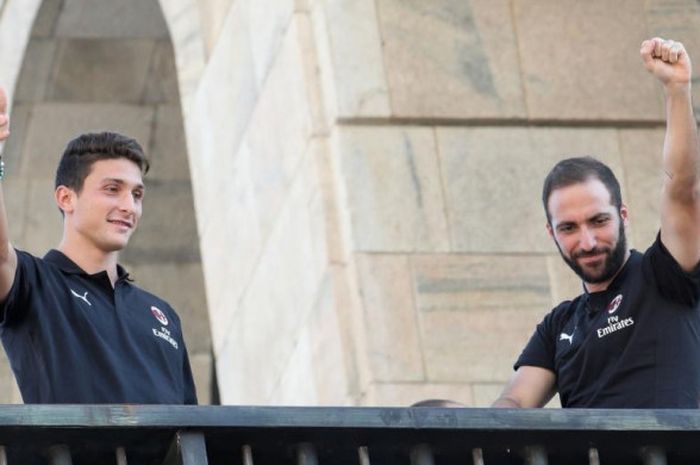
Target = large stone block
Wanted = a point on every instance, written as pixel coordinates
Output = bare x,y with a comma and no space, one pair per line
278,139
270,19
167,230
16,18
677,20
580,60
563,282
36,70
112,19
168,153
90,70
161,83
202,366
16,193
493,182
224,100
642,155
52,125
451,58
46,17
477,312
212,15
406,394
351,58
390,321
393,189
231,245
297,384
43,221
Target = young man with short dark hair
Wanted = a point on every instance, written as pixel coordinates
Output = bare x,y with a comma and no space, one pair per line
75,327
632,339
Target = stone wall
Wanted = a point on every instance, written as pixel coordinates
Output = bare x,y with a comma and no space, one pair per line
366,178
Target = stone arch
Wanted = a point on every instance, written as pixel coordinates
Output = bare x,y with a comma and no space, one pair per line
90,65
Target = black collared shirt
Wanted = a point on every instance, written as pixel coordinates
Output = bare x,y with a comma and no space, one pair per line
72,338
634,345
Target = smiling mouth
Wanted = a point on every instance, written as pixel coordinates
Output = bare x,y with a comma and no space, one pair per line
124,224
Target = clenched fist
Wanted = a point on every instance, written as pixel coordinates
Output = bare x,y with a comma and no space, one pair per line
668,61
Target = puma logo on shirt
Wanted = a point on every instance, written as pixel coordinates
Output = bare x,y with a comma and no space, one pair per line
83,297
569,337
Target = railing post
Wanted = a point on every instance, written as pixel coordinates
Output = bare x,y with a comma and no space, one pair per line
187,448
478,456
422,454
60,455
363,455
593,457
306,454
535,455
247,452
653,455
3,456
120,453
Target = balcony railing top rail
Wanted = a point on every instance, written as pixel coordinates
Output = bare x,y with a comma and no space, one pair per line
250,435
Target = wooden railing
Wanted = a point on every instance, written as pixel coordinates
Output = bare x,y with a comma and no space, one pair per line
140,435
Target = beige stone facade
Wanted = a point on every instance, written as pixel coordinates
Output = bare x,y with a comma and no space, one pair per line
351,213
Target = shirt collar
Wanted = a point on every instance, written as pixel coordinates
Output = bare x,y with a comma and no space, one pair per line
59,259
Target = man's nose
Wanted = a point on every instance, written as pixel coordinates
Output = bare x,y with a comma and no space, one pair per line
587,240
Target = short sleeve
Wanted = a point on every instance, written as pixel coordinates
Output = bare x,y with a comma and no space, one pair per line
13,309
673,282
539,351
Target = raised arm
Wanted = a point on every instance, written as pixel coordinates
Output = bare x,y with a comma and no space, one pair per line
530,387
669,62
8,257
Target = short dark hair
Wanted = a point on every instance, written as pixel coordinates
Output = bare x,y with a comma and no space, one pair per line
86,149
577,170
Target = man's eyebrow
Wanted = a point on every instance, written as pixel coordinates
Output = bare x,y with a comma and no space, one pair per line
121,181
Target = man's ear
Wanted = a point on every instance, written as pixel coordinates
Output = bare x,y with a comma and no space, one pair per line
65,198
624,214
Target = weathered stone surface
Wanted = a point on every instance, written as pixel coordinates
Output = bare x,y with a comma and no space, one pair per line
493,182
8,386
182,286
642,155
43,148
351,58
16,193
36,70
168,153
212,15
451,59
279,139
477,312
161,83
394,195
563,282
677,20
43,222
406,394
46,17
235,230
270,19
167,231
113,19
225,99
91,70
297,385
580,60
16,19
390,320
202,366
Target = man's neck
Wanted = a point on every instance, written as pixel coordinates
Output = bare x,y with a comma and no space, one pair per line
91,259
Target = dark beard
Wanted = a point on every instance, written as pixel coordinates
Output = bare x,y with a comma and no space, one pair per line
614,260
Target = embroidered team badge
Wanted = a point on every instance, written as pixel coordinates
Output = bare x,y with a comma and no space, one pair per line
159,315
615,304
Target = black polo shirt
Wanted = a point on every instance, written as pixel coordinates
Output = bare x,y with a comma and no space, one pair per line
72,338
634,345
